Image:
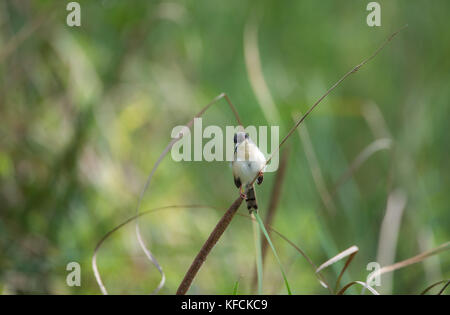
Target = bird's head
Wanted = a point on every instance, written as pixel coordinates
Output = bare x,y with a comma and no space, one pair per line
240,137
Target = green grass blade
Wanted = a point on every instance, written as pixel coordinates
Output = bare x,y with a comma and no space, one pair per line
263,228
236,287
259,263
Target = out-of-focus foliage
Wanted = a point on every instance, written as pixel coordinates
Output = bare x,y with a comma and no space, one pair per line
86,111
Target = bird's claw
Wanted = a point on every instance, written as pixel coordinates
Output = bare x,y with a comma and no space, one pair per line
243,195
260,178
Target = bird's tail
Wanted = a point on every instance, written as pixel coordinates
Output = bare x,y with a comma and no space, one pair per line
251,199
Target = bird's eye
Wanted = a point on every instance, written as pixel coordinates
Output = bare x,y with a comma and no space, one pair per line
246,136
235,138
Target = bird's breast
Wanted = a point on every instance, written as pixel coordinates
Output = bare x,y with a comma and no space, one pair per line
248,162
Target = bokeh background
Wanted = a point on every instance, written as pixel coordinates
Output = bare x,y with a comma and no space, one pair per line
86,111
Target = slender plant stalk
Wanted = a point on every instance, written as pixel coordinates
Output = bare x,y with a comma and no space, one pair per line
208,246
236,287
413,260
226,219
273,206
142,213
276,194
445,287
258,254
447,282
372,290
140,239
347,263
261,225
353,70
133,218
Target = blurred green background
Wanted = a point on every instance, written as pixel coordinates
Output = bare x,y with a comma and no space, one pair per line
86,111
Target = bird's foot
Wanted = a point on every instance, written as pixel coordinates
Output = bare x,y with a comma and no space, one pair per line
260,178
243,195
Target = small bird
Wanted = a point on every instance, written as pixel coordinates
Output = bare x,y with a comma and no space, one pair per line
248,163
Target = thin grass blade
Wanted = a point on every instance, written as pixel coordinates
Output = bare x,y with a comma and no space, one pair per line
259,259
261,225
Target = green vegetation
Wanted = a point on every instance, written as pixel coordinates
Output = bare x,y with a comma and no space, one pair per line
86,111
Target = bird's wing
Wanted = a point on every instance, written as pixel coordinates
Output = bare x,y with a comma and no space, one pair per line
237,180
260,158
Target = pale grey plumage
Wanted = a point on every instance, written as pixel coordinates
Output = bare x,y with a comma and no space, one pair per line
248,163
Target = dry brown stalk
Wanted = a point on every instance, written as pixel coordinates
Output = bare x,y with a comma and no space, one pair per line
208,246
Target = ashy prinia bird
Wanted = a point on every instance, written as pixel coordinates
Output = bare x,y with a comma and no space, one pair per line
248,163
